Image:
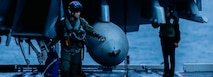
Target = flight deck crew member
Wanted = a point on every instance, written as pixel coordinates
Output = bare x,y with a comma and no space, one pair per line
170,36
72,35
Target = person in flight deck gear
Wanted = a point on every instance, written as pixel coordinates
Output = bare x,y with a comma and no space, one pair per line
72,32
170,37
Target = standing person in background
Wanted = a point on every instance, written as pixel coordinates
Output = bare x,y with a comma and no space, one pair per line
170,37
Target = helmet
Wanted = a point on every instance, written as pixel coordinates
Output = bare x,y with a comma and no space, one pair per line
75,6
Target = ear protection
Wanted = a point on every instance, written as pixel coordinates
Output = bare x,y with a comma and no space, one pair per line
69,11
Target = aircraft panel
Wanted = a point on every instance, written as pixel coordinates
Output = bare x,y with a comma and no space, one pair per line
36,18
7,8
122,13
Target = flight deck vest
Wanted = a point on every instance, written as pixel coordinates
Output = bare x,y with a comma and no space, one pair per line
74,34
168,28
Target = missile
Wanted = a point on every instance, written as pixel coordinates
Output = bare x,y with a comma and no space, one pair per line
115,48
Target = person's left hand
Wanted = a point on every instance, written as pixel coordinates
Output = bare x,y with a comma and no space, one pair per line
176,45
102,39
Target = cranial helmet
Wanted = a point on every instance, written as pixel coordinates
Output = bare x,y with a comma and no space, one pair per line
75,6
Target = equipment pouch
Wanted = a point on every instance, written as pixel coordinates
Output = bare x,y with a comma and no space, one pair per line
67,41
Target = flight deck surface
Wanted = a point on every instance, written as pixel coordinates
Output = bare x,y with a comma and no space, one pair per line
142,70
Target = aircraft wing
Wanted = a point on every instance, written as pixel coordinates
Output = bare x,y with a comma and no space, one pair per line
189,9
37,18
129,14
124,13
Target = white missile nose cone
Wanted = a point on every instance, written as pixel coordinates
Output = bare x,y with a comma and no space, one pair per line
113,50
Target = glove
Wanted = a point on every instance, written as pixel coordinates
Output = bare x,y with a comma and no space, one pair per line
102,38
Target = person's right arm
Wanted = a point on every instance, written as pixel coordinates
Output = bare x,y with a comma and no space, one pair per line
60,34
155,24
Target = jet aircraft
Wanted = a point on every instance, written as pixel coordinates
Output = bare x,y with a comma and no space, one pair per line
27,20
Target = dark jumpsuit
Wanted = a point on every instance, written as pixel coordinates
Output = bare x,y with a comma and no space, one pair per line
169,34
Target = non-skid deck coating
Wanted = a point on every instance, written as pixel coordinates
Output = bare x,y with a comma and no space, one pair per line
118,71
131,73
